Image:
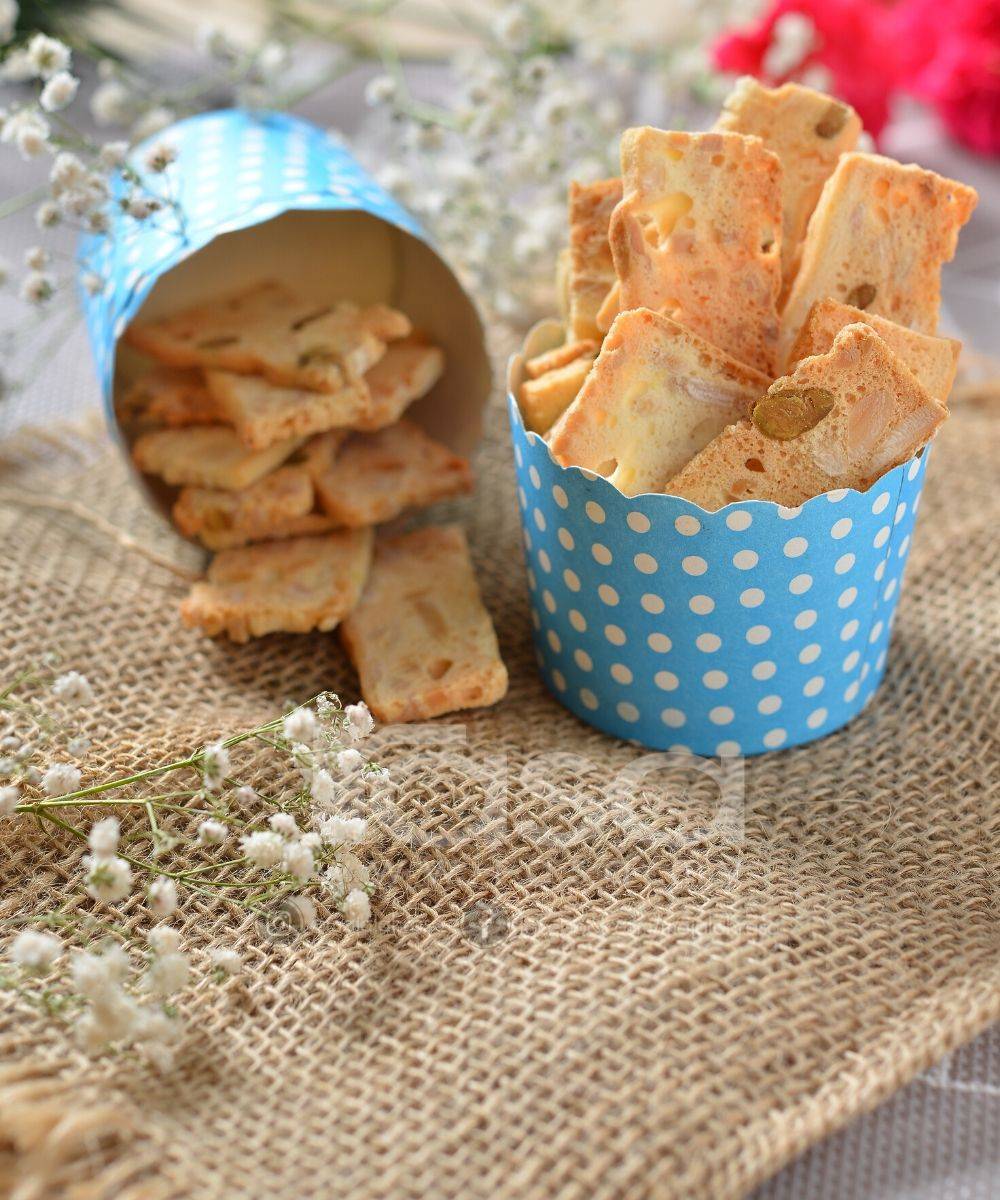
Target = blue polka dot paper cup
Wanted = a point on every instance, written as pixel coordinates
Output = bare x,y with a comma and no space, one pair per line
270,196
730,633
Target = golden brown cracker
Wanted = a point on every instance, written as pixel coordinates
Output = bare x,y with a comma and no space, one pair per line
209,456
591,269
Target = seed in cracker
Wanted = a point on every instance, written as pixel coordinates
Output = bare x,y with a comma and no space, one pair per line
290,586
808,132
170,397
407,371
209,456
876,241
880,417
278,497
268,330
420,638
934,360
784,412
697,236
375,476
656,395
544,399
591,269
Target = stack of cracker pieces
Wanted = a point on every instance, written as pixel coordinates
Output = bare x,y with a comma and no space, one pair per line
751,312
281,424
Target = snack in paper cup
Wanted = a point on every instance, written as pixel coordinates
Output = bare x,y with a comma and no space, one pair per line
264,197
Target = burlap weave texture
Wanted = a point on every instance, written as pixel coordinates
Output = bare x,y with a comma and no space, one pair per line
692,972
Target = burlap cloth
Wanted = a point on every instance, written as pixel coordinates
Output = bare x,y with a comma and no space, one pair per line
689,977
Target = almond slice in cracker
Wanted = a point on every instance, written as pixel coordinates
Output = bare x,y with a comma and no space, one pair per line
374,477
697,236
420,638
591,268
656,395
278,497
933,360
840,420
407,371
544,399
171,397
808,131
209,456
290,586
268,330
876,241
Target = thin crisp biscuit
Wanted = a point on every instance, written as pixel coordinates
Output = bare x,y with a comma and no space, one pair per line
420,638
374,477
284,494
545,399
309,525
407,371
808,131
877,240
840,420
563,269
609,309
290,586
697,236
933,360
169,397
657,394
268,330
591,269
568,352
209,456
263,413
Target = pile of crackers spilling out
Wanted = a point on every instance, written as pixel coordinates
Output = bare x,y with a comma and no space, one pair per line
751,311
281,423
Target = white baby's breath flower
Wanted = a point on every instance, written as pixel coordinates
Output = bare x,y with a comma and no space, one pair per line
163,897
93,975
357,908
298,860
215,766
92,283
9,12
17,67
10,797
381,90
212,833
68,171
360,722
38,287
301,726
111,103
59,92
164,939
346,874
47,215
108,879
159,156
78,746
141,207
246,794
263,848
322,789
153,121
512,27
349,761
104,837
28,131
167,974
97,222
226,960
283,823
113,154
48,56
312,839
35,951
60,778
272,58
73,688
344,831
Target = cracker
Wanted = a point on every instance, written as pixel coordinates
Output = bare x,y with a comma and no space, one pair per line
563,268
545,399
877,240
278,497
408,370
209,456
568,352
309,525
170,397
420,638
269,330
263,413
291,586
933,360
610,308
375,476
876,416
591,269
657,394
808,131
697,236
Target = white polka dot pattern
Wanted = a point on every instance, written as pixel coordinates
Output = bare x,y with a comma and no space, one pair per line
235,169
755,628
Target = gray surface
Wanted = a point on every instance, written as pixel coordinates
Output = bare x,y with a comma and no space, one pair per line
939,1138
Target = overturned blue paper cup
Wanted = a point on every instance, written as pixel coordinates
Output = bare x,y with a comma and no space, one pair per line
723,633
256,196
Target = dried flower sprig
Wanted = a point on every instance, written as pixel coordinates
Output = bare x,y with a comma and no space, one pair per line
185,828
